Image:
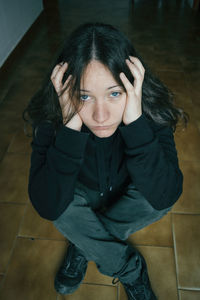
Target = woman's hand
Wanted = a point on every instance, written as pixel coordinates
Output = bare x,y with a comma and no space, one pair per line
133,108
65,104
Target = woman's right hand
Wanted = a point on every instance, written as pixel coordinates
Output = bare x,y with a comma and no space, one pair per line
56,78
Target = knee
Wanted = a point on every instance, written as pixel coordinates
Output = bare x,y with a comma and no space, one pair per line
159,214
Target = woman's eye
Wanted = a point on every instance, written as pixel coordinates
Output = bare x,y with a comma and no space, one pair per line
84,97
115,94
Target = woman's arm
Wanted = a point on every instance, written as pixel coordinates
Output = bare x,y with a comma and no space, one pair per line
55,164
152,162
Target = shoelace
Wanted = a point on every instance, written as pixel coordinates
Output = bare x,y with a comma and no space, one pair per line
74,267
114,282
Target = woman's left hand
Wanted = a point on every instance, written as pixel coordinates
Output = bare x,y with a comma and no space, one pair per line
133,108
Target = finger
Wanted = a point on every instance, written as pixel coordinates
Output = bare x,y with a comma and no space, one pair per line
59,76
55,70
135,70
138,63
67,81
138,77
128,86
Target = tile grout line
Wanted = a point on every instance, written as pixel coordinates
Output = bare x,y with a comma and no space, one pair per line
189,289
7,267
40,238
175,255
186,214
22,219
11,253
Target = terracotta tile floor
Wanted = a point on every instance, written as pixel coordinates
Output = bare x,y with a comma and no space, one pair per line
167,35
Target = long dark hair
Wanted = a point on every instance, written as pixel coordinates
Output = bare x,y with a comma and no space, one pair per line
111,47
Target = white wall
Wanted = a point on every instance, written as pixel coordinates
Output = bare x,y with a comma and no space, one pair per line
16,17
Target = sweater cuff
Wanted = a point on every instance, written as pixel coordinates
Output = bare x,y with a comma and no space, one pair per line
43,133
71,141
137,133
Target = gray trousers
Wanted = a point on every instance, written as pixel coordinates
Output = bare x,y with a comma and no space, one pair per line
101,233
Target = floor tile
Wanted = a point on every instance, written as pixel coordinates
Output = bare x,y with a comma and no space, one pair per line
122,293
11,215
185,102
20,143
94,276
158,234
32,269
189,200
175,81
188,143
170,46
1,281
91,292
189,295
10,121
196,111
162,271
35,226
187,245
14,171
158,58
20,92
5,141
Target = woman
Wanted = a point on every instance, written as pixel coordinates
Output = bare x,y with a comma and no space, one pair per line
104,162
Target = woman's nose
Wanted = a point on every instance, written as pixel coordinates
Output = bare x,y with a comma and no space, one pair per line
101,113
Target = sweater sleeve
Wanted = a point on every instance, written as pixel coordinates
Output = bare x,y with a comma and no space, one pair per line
152,162
56,160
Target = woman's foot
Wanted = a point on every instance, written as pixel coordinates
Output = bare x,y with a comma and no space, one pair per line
72,271
139,289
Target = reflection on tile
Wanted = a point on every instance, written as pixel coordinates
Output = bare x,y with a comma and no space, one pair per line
35,226
162,272
14,170
11,215
175,81
93,275
1,279
189,200
189,295
159,233
187,241
188,143
4,142
32,270
91,292
10,121
158,58
184,102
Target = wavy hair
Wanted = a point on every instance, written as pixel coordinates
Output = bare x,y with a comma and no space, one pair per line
111,47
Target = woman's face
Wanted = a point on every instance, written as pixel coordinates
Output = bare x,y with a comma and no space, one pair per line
104,100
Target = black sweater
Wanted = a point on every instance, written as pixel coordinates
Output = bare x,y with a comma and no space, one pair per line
142,152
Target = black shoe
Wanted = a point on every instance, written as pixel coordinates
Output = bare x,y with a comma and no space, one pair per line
141,288
72,271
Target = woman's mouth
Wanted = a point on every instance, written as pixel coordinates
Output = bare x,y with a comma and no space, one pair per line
101,127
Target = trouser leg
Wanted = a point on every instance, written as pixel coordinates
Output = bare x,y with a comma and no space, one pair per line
100,235
80,225
130,213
